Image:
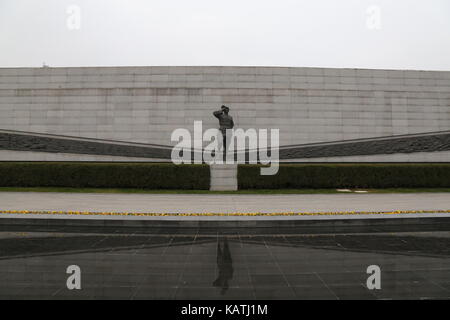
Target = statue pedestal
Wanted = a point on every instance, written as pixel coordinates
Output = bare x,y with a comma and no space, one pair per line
223,177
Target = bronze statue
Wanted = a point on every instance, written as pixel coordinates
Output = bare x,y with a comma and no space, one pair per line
225,122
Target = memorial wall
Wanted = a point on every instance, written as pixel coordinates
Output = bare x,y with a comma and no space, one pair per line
129,113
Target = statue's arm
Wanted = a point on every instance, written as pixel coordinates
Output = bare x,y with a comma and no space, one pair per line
232,123
217,114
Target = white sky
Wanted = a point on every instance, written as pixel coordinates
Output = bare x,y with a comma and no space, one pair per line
414,34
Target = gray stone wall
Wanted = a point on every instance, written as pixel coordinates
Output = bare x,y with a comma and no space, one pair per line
145,104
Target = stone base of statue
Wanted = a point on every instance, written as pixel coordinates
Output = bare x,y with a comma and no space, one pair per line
223,177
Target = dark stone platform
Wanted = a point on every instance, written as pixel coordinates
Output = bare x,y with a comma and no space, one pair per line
122,263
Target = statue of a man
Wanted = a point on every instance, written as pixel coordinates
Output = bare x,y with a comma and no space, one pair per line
225,122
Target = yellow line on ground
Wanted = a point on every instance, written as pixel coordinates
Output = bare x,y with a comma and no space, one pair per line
244,214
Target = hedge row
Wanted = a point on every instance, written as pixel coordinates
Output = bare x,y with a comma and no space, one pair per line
197,177
104,175
315,176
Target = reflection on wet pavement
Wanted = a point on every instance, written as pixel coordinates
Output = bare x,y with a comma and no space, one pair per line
141,265
224,265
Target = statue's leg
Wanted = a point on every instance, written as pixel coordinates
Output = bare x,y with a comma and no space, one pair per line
225,147
224,144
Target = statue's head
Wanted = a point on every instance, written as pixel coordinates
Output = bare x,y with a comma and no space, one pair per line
225,109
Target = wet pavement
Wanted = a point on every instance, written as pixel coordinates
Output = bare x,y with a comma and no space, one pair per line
140,264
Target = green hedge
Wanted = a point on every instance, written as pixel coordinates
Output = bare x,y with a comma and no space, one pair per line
104,175
298,176
197,177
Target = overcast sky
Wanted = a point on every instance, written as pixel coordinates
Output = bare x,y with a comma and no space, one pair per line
382,34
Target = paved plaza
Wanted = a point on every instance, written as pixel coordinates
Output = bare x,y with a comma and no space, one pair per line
211,203
170,262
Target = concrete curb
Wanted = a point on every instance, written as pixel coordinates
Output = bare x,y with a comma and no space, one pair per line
311,224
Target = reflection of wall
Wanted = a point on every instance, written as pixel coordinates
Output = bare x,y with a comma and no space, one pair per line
145,104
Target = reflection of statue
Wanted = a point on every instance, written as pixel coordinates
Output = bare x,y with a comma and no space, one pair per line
225,122
225,265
